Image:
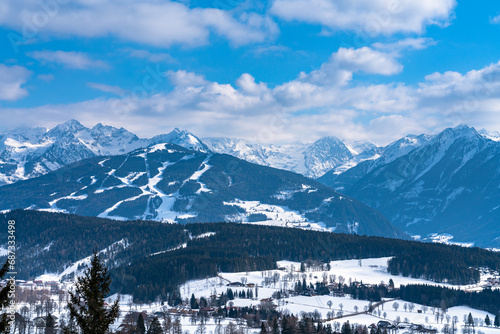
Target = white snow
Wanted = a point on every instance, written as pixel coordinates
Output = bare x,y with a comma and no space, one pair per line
369,271
85,261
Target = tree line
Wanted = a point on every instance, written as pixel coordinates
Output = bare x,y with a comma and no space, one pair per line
150,261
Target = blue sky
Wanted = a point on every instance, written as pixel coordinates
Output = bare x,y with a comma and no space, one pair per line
280,71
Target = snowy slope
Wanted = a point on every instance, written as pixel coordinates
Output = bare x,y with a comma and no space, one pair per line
169,183
368,271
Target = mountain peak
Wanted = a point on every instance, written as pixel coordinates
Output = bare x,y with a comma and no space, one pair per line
329,140
69,127
182,138
493,135
460,131
72,124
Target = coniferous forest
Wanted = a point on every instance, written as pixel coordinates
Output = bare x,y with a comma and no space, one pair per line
152,259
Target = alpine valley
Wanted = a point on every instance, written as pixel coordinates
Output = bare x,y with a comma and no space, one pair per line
173,184
436,187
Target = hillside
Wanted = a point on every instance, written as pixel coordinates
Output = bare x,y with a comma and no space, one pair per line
446,185
151,258
166,182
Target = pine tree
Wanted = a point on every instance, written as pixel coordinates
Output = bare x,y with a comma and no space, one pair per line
155,327
487,320
497,321
49,324
86,305
193,302
275,327
470,320
140,327
4,300
230,294
263,329
346,328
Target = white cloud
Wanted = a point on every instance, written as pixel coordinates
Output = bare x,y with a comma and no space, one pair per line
495,20
12,78
407,43
182,78
150,56
248,85
270,50
371,17
69,59
151,22
366,60
345,62
107,88
299,110
45,77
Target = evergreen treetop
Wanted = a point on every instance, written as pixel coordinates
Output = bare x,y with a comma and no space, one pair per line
87,304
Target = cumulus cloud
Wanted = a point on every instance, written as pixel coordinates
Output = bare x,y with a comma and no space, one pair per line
182,78
247,84
366,60
299,110
347,61
367,16
12,78
151,22
69,59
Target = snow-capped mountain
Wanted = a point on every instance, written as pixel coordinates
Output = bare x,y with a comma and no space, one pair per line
167,182
359,146
30,152
311,160
493,135
446,183
373,157
181,138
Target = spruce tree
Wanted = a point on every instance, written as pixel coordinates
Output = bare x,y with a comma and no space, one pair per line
275,327
487,320
497,321
140,327
86,305
263,329
193,302
49,324
155,327
470,320
346,328
4,300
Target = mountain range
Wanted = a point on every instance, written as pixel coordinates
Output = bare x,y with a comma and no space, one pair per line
448,183
31,152
311,160
431,186
170,183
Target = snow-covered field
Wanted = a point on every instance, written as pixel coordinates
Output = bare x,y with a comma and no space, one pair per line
368,271
264,283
